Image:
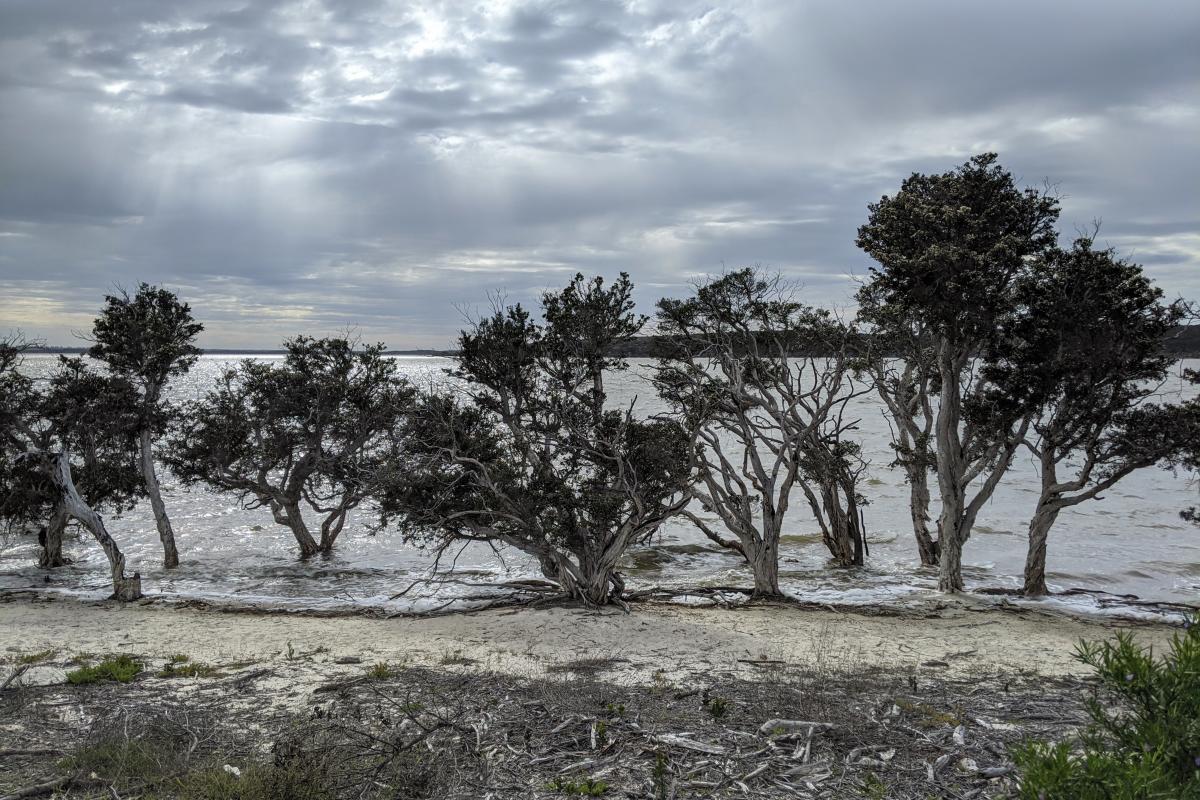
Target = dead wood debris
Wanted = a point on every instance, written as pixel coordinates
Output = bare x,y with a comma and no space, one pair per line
466,734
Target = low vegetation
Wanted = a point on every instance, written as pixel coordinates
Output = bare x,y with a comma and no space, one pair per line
1143,737
121,669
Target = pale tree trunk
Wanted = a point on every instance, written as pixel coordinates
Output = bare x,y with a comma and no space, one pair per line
70,504
288,514
593,581
951,473
165,533
763,558
52,540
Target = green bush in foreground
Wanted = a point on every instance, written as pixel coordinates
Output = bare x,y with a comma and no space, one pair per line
1144,745
114,668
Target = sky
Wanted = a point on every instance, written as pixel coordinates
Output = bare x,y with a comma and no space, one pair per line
384,167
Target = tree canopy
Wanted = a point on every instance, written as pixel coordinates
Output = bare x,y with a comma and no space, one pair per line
529,454
315,430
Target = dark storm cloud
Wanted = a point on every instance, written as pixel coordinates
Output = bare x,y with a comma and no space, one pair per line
304,166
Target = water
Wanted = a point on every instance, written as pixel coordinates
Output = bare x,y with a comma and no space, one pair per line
1130,542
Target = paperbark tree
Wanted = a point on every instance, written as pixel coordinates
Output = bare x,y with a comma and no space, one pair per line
81,429
148,339
949,250
1085,355
763,382
532,457
315,430
902,368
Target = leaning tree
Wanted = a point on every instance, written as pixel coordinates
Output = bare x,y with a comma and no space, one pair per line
949,250
314,431
527,453
1085,356
68,450
148,338
764,382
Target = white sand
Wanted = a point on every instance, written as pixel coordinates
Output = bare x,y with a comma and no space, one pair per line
679,641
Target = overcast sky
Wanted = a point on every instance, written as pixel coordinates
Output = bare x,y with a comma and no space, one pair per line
308,166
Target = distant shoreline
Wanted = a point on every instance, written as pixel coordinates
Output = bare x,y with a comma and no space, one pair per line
1184,342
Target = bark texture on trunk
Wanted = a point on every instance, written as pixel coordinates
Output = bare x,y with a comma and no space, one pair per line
165,533
289,514
1035,558
918,505
763,558
594,580
70,504
51,539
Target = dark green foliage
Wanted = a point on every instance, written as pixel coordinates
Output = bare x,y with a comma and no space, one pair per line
1081,358
534,459
950,248
121,668
148,338
315,430
90,415
1143,742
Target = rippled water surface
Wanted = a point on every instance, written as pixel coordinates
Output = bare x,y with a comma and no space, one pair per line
1132,541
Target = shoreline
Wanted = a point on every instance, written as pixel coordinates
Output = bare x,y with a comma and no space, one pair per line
953,636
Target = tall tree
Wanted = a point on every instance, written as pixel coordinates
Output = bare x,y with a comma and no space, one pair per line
1084,357
533,457
746,364
66,451
949,250
316,430
148,339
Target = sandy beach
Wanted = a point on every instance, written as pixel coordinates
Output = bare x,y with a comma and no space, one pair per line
958,637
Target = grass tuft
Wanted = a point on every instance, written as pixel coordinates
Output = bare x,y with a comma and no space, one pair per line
121,668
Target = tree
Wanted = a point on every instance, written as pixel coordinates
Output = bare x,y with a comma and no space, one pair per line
949,250
1190,457
746,364
148,339
902,367
315,430
65,452
1083,357
528,454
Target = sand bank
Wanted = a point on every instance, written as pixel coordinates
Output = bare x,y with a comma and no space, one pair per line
956,638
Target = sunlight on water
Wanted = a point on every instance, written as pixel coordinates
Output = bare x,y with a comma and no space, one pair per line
1131,542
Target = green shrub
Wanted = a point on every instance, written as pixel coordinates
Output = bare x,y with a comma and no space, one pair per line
114,668
1144,744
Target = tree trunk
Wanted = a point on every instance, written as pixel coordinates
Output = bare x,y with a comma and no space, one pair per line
763,558
1035,558
950,564
918,506
951,470
165,534
594,581
51,540
289,514
72,505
